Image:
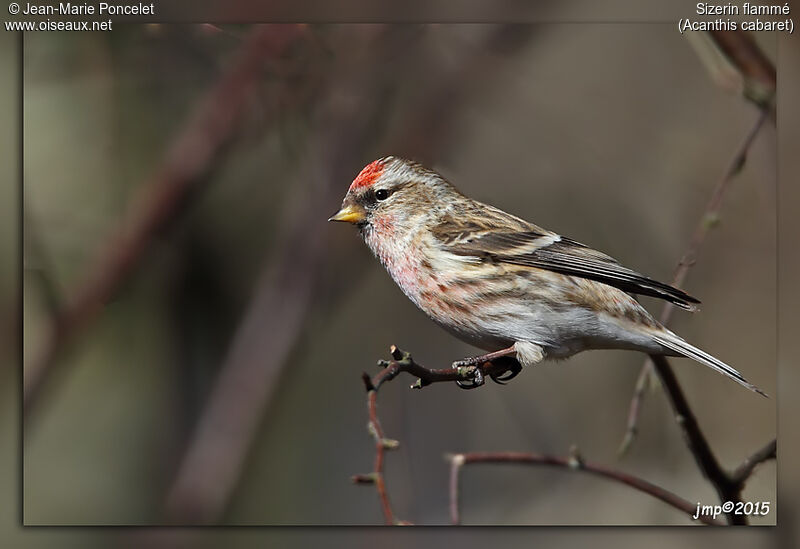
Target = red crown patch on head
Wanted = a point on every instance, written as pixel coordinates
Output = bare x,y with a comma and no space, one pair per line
368,175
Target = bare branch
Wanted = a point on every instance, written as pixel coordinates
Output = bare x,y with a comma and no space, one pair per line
632,426
574,463
403,362
727,489
743,472
381,445
711,214
707,221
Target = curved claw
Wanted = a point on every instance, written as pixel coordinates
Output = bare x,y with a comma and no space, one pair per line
476,381
513,368
503,379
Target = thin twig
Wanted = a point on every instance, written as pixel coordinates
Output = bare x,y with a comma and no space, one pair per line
745,470
381,445
574,463
456,462
711,214
404,362
632,425
707,221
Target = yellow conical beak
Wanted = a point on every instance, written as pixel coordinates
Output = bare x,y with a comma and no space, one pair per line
349,214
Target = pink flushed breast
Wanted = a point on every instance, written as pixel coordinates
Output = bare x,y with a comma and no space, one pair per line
448,304
402,260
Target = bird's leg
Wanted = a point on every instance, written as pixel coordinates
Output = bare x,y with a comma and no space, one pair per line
477,375
488,357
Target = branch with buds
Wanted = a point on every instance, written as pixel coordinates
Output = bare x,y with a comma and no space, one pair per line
404,362
728,484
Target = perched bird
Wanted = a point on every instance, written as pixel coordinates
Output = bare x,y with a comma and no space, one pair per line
501,283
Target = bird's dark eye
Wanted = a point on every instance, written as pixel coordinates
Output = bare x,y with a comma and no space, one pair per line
382,194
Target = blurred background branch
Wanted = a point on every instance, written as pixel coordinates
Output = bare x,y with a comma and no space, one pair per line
196,150
758,72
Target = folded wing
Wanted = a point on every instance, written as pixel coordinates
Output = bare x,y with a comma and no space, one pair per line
520,243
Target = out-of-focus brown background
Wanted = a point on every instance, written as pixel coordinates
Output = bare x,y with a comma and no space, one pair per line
611,134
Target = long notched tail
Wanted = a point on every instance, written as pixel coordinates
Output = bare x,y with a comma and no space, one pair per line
676,344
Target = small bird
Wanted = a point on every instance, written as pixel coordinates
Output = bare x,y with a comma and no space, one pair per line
501,283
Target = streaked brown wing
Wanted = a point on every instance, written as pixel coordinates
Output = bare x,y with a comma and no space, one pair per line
531,246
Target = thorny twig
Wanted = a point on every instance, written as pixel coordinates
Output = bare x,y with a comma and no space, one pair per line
573,462
707,221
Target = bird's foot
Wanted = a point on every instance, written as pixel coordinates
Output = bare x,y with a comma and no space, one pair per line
472,368
473,377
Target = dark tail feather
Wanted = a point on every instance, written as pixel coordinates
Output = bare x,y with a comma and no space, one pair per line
676,344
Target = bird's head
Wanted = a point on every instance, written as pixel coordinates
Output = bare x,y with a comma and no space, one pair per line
392,193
